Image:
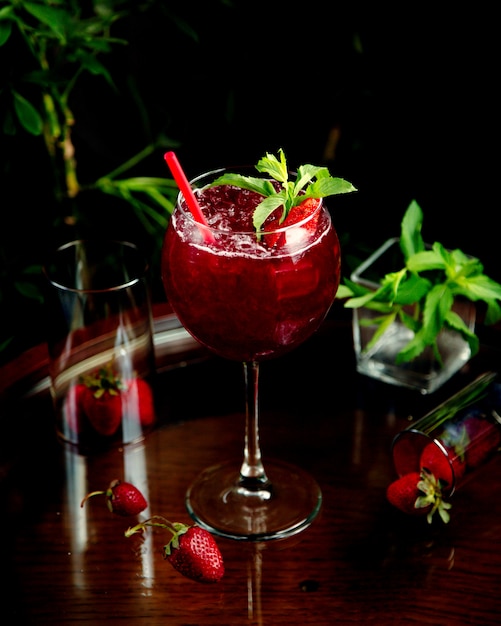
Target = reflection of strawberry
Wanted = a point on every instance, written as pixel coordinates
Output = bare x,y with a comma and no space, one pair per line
73,410
482,437
103,411
443,465
418,493
295,215
102,401
140,401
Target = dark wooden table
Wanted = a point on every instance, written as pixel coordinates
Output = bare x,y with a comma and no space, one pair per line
360,562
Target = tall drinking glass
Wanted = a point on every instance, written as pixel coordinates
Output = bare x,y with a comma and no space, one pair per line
247,297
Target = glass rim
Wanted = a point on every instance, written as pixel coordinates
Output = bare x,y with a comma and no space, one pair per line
207,228
141,265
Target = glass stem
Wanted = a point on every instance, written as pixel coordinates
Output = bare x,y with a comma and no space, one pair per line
252,475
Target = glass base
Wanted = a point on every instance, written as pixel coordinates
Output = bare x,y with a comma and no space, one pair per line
284,507
424,373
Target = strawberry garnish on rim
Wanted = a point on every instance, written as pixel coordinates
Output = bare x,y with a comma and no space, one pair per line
283,194
296,215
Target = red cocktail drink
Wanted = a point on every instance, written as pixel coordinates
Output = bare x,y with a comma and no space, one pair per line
251,282
246,295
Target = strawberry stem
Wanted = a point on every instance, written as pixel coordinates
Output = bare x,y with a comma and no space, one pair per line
91,494
159,522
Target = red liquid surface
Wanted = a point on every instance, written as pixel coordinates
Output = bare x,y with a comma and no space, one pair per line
244,297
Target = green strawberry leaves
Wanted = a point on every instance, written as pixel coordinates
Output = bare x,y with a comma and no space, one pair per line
430,487
421,295
311,182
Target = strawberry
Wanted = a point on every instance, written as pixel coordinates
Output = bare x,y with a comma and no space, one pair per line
194,553
102,400
192,550
296,214
444,463
123,498
418,493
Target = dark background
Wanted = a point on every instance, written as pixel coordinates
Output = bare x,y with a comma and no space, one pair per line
410,96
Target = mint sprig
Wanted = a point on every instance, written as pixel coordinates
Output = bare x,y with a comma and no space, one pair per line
421,295
311,181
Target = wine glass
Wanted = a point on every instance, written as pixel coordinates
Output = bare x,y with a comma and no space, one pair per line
247,297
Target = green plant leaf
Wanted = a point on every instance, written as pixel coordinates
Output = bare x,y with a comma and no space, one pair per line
29,290
412,349
412,289
343,291
413,322
425,261
479,287
464,265
276,168
56,19
28,116
383,323
493,313
454,322
94,66
410,238
424,296
438,303
380,299
5,29
324,188
258,185
266,208
359,293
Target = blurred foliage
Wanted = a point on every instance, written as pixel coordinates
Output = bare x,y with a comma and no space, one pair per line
77,138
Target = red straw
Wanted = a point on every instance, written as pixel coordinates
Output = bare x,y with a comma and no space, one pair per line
185,187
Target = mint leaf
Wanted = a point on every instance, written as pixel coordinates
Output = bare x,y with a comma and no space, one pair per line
426,261
410,238
383,323
493,313
413,289
422,294
311,182
454,322
438,303
412,349
277,169
266,208
324,187
478,287
258,185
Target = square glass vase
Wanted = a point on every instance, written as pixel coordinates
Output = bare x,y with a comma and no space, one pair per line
424,374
